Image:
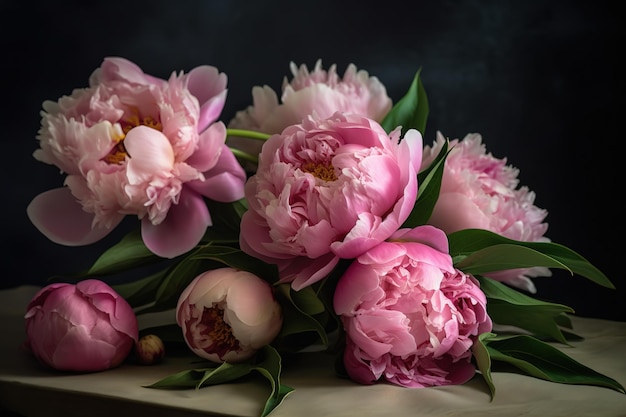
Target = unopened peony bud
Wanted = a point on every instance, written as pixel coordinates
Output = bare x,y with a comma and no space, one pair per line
227,315
149,350
85,327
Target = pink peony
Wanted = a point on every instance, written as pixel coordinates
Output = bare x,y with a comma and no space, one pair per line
227,315
318,92
479,191
85,327
133,144
328,189
410,318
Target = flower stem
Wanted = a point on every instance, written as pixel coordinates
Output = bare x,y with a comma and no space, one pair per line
247,134
244,155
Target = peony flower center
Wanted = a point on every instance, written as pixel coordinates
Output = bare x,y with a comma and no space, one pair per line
218,331
325,172
118,153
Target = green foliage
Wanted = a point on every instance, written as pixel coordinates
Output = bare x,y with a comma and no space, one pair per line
411,112
535,358
129,253
269,366
509,307
429,184
477,251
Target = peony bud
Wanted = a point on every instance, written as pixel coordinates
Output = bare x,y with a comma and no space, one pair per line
227,315
149,350
85,327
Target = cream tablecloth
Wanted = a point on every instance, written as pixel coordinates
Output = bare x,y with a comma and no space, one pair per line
31,391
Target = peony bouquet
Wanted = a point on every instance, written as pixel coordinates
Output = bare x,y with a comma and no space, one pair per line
317,219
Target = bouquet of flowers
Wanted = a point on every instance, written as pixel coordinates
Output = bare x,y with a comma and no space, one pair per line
315,220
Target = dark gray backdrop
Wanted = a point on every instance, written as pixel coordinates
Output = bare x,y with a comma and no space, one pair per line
541,81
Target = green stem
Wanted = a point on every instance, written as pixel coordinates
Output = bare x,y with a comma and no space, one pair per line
247,134
244,155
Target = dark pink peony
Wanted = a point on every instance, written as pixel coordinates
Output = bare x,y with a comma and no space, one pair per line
328,189
85,327
410,317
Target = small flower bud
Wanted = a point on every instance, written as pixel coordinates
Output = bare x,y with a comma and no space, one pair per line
149,350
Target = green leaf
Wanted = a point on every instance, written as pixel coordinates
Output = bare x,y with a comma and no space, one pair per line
508,306
506,256
226,218
541,360
142,291
129,253
238,259
269,367
483,360
306,300
429,184
411,112
465,242
298,310
181,380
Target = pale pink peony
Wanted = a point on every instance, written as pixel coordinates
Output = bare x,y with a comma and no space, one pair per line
227,315
328,189
479,191
133,144
85,327
317,92
410,318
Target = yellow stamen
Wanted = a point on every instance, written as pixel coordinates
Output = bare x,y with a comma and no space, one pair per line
321,171
118,152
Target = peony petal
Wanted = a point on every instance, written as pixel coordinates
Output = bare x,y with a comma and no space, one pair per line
353,286
58,215
466,213
248,296
208,85
150,154
181,230
121,315
225,181
426,234
210,145
306,271
121,69
210,111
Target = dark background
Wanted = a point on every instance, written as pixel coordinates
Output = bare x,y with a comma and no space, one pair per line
541,81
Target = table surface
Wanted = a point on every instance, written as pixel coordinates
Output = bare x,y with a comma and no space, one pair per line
29,390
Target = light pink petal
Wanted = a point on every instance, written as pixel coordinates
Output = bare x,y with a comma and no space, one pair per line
120,69
60,218
384,331
181,230
352,287
427,234
208,85
411,145
150,154
225,181
306,271
248,296
210,111
466,213
210,144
